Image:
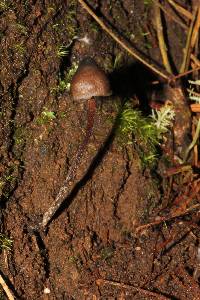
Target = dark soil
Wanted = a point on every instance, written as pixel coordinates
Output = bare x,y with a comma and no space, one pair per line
91,249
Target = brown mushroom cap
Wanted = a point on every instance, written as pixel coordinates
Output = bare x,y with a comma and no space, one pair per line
89,81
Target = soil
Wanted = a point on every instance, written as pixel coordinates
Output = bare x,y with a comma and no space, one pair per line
91,249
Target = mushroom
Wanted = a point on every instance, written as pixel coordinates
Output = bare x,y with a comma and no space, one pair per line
88,82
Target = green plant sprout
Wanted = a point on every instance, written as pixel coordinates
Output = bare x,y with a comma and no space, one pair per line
62,51
118,61
46,117
147,131
5,242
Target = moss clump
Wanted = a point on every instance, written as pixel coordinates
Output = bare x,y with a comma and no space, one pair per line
146,133
5,242
46,117
64,84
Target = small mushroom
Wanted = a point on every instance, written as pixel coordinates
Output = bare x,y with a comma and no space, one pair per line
88,82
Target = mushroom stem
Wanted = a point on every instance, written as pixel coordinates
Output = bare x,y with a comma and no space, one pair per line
48,215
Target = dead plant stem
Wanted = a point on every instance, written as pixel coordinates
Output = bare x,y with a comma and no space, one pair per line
161,40
195,29
6,288
188,47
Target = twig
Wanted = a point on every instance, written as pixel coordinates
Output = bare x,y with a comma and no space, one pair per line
6,288
164,219
185,73
161,41
188,47
128,286
121,43
195,29
181,10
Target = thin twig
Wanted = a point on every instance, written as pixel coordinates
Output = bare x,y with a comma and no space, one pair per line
164,219
121,43
128,286
6,289
161,41
185,73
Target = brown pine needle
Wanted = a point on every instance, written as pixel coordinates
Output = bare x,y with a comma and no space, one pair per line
181,10
161,41
188,48
121,43
195,30
6,289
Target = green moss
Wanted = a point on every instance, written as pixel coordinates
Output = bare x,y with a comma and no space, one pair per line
148,2
5,242
45,117
107,253
76,260
145,133
4,5
19,135
62,51
21,28
64,84
8,181
19,48
118,61
71,23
